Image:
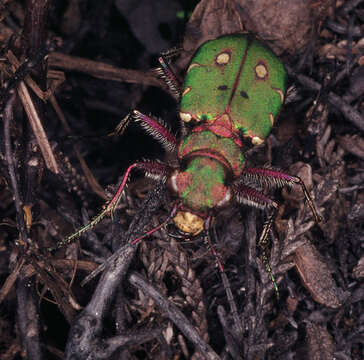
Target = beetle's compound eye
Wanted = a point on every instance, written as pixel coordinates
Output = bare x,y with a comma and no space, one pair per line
173,182
225,200
189,223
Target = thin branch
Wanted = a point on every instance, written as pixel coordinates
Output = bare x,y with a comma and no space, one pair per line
102,70
175,315
8,117
354,116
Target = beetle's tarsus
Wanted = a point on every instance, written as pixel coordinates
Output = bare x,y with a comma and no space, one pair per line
318,218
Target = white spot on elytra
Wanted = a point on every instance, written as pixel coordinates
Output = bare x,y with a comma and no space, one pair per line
187,90
280,93
261,71
223,58
271,118
193,65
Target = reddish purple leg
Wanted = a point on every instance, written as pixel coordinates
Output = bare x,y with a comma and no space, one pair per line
155,170
250,196
247,195
166,73
273,178
157,128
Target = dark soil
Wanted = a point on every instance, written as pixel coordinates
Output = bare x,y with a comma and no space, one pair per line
165,298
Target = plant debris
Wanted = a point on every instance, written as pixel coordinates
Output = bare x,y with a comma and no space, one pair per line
70,71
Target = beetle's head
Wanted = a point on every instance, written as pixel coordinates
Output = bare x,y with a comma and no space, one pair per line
201,189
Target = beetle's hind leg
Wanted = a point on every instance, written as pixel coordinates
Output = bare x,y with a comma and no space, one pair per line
165,72
157,128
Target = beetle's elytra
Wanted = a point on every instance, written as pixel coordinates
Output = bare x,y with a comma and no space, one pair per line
238,78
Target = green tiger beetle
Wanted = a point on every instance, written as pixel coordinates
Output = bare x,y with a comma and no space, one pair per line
233,91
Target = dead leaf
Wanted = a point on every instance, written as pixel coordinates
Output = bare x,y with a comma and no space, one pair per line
316,277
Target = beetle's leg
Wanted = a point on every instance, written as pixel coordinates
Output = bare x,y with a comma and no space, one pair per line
155,170
167,74
225,280
274,178
157,128
263,246
116,254
247,195
171,53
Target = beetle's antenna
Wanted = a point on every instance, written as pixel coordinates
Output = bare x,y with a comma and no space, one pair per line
252,197
114,256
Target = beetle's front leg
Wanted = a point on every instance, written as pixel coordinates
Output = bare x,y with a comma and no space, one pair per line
263,246
224,278
153,169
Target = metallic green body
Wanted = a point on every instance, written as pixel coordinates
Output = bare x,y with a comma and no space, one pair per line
233,90
223,148
202,185
212,88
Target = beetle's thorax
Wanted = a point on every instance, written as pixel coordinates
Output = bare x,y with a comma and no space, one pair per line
206,143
